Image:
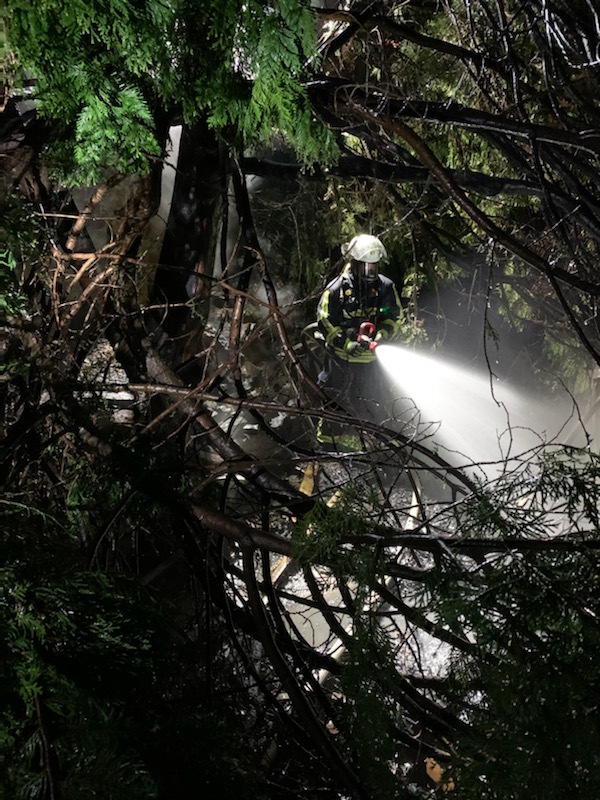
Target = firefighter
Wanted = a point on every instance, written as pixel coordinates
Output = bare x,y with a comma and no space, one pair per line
358,309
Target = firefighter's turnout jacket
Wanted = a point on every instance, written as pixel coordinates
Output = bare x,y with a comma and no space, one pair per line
347,302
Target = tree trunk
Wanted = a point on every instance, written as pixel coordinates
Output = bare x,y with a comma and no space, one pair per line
185,271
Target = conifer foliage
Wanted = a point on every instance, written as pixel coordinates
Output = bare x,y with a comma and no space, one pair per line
106,73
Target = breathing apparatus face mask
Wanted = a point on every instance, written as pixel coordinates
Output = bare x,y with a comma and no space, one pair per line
367,271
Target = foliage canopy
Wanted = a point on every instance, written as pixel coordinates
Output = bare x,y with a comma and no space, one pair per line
106,73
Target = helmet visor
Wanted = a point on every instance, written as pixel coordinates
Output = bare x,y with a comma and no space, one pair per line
367,271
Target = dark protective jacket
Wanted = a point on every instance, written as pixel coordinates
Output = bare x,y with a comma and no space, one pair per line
347,302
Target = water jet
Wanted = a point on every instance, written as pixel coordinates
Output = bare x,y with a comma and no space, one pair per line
471,414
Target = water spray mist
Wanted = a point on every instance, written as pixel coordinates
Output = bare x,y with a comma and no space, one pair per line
471,413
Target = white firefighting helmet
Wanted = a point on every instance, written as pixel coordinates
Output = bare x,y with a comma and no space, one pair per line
365,251
364,247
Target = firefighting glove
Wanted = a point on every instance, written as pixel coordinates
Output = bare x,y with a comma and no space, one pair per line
351,346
